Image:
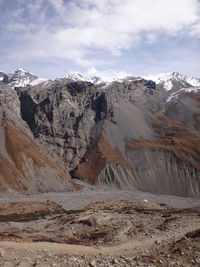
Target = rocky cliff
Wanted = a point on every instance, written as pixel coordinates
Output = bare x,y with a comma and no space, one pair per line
24,165
131,134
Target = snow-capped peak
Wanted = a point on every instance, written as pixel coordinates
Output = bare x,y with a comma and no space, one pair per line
169,80
21,78
98,77
74,76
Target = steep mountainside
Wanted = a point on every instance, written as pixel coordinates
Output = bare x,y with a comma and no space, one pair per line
129,134
24,166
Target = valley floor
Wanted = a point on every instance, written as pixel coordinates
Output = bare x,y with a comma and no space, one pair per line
99,228
91,194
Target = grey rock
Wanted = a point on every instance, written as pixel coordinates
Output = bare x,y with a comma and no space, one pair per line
145,145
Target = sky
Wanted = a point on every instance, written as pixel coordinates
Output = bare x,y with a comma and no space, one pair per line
139,37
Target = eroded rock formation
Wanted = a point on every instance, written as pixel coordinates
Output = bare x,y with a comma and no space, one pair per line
24,165
130,134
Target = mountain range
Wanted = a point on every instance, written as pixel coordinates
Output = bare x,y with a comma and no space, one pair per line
22,78
131,133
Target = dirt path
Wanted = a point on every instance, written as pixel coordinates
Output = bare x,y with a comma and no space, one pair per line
127,248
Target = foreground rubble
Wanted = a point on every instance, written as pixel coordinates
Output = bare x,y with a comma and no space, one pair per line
109,233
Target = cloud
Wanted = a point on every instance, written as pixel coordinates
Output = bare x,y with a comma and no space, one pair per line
73,30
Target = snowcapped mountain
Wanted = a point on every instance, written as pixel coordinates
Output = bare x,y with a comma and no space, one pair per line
20,78
172,80
100,78
176,84
169,81
76,76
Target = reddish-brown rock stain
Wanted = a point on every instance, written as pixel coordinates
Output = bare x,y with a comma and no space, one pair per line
19,145
172,136
96,160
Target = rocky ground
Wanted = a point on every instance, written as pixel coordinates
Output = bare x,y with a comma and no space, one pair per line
106,233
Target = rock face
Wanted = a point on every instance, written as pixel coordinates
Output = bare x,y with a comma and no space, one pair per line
24,166
62,117
130,134
159,140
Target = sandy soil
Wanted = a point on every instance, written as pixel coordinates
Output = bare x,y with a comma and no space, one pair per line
107,233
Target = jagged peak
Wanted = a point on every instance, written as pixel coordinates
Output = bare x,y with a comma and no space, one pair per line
106,77
169,77
21,78
166,77
22,72
74,76
98,77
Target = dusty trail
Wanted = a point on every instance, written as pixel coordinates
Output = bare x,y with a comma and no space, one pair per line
132,248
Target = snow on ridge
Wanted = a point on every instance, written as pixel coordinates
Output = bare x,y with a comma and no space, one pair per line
168,85
193,81
21,77
101,77
175,95
75,76
20,82
158,78
167,79
38,81
21,69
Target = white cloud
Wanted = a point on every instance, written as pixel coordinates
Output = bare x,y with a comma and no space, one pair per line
117,25
76,27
